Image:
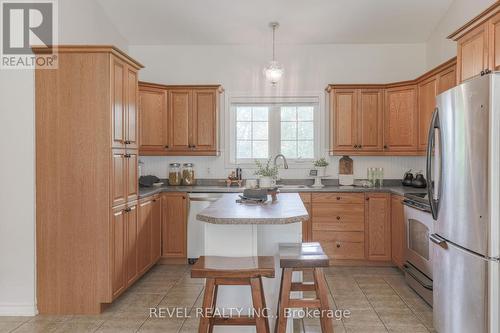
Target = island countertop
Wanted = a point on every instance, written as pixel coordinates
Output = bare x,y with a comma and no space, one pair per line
287,209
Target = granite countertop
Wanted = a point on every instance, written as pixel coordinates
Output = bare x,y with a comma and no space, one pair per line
392,187
287,209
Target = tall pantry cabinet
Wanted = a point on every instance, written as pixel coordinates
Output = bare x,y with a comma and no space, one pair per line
86,179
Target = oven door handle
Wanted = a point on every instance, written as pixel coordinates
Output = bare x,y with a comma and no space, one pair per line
408,270
438,240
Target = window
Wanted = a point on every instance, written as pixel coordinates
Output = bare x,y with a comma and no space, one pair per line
262,130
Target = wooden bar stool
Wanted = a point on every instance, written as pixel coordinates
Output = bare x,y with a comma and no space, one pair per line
233,271
302,257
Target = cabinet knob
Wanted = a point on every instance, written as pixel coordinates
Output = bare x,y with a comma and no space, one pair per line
385,147
367,199
338,198
127,142
338,217
127,155
128,209
360,146
338,245
166,146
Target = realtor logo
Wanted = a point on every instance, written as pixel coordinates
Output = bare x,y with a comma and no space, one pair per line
26,24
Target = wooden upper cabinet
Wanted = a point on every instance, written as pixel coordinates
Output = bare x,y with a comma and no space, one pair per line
378,226
398,233
118,102
344,114
174,225
401,119
472,53
494,42
179,113
204,120
131,118
153,119
370,120
427,92
447,79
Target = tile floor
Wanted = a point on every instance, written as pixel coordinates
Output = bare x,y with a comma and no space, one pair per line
377,297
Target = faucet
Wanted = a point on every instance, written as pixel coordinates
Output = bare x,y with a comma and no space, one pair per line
285,164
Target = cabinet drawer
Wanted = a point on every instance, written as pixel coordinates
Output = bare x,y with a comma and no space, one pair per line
341,217
341,198
341,245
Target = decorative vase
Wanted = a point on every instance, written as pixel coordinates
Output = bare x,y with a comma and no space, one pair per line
321,171
267,182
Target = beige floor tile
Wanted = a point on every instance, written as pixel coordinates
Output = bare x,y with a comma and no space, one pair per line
71,326
124,325
8,326
161,325
364,328
39,327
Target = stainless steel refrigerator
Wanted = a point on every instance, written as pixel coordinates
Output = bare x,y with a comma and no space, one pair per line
463,164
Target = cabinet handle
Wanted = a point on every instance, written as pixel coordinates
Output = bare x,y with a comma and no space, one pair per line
385,147
166,146
338,245
338,198
127,155
367,199
128,209
360,146
127,142
338,217
355,146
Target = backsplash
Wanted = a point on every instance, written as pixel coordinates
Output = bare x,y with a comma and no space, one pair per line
214,167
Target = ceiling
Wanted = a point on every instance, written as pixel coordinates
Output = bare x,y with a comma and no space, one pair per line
158,22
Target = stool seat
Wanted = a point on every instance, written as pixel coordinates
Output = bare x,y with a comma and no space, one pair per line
302,255
233,267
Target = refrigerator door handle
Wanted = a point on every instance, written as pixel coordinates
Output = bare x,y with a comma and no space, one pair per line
438,240
433,187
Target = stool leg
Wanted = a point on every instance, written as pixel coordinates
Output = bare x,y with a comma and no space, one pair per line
279,302
259,304
207,303
214,305
322,294
286,284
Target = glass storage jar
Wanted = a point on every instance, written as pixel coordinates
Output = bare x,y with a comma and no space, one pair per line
174,174
188,174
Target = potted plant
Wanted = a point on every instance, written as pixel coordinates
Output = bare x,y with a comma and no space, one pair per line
321,165
267,173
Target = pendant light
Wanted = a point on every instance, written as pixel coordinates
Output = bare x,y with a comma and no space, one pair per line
273,71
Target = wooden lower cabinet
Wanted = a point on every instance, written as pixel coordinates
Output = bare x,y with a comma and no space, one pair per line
341,245
144,234
398,231
174,225
378,226
307,225
156,229
131,243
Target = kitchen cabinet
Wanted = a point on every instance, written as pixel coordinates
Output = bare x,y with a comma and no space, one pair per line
153,119
401,119
307,225
357,116
179,120
478,44
86,189
174,225
447,78
398,231
427,92
378,226
144,234
156,229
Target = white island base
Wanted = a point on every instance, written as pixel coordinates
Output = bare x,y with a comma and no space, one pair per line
245,240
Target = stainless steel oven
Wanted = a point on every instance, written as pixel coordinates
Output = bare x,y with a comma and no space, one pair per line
419,226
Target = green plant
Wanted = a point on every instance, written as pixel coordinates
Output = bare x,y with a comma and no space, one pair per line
266,170
321,163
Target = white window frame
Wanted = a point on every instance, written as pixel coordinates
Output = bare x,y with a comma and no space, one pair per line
275,134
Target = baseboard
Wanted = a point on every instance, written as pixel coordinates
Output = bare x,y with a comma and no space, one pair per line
18,309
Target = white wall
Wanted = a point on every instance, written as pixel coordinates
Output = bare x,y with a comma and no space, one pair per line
440,49
80,22
308,68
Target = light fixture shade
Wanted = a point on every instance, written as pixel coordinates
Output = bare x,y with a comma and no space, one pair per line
273,72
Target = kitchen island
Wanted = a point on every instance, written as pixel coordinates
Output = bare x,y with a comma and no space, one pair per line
241,230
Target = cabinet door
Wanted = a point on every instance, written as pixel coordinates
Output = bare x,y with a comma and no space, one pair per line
398,235
447,79
144,229
204,120
118,178
472,53
131,243
179,114
153,120
156,229
307,225
118,72
370,120
494,44
378,226
400,119
118,262
132,175
174,240
131,122
343,116
427,92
